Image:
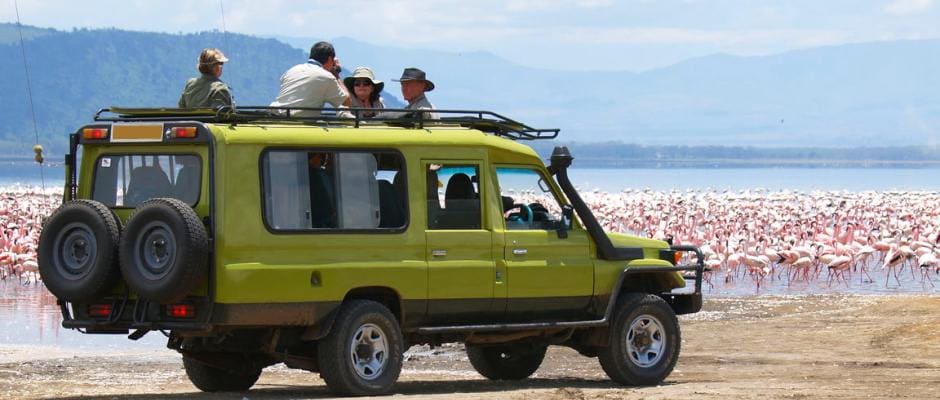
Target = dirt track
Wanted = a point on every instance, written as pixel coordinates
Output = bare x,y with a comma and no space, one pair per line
819,347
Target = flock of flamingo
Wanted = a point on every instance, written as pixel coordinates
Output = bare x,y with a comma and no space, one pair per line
21,212
761,234
747,236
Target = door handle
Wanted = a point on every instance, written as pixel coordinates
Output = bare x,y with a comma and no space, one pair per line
520,252
438,253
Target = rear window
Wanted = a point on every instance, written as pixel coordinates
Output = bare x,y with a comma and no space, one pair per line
313,190
127,180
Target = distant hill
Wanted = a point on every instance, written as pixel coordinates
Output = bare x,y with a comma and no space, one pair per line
869,94
75,73
10,34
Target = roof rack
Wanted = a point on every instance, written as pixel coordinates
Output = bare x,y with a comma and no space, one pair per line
486,121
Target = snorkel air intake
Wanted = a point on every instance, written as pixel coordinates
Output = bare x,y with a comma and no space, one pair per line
560,161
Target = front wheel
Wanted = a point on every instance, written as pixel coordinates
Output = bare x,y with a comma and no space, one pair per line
643,344
362,354
512,361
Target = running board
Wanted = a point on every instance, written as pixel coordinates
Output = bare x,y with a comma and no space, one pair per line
512,327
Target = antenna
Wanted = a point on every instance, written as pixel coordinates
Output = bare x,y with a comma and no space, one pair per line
225,40
29,92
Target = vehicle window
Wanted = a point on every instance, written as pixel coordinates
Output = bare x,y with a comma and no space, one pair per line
528,202
327,190
129,179
453,196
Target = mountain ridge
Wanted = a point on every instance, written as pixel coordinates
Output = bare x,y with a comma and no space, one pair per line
862,94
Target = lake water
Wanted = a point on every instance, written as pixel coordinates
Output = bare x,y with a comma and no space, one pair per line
613,180
29,315
851,179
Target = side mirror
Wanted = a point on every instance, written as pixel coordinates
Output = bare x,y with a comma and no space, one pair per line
567,214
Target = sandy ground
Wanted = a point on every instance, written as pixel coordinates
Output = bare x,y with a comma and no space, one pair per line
818,347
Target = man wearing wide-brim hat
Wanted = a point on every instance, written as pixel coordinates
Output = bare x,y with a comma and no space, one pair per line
414,84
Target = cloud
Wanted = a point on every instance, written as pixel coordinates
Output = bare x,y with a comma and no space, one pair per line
721,38
905,7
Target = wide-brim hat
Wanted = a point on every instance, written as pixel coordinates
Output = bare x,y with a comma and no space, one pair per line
363,73
414,74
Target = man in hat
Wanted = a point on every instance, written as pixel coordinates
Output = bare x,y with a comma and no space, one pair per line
414,83
314,83
207,90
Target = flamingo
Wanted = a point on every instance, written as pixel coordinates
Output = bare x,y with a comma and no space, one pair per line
837,268
892,259
927,261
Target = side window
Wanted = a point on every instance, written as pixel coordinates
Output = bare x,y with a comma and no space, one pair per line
129,179
528,202
453,196
324,190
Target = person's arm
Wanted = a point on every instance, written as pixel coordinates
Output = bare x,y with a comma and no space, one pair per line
335,93
182,102
220,96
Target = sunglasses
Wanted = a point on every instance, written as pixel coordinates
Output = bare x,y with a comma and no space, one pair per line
362,83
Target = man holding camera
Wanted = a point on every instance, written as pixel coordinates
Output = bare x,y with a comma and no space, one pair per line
313,84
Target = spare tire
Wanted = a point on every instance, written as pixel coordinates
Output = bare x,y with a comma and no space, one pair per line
77,251
164,250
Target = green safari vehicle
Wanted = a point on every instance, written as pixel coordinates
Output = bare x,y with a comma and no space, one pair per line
251,237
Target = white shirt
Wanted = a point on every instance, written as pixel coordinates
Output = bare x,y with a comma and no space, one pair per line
309,85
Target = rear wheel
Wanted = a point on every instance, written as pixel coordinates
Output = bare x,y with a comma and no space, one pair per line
164,250
240,376
643,342
511,361
77,252
362,354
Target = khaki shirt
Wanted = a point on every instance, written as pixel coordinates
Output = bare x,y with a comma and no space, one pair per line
205,91
309,85
420,103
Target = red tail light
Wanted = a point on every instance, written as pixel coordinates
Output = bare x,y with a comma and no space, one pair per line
182,132
94,133
99,310
181,310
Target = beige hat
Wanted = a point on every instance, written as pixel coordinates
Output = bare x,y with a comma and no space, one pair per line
211,57
363,73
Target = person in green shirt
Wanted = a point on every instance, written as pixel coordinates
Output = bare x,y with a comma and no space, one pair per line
207,91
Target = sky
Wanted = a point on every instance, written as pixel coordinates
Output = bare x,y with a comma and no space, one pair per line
577,35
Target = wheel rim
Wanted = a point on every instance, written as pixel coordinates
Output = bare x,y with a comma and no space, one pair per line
75,251
369,351
155,250
646,340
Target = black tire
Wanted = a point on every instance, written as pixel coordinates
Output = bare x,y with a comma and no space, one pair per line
77,252
644,340
164,250
349,370
513,361
238,378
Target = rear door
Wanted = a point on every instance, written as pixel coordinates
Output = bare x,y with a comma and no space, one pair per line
461,268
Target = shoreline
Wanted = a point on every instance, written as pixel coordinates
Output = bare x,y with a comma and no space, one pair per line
821,347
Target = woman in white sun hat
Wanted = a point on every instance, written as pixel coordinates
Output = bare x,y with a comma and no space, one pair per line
364,90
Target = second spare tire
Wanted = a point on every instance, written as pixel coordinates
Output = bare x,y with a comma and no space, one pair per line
164,250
